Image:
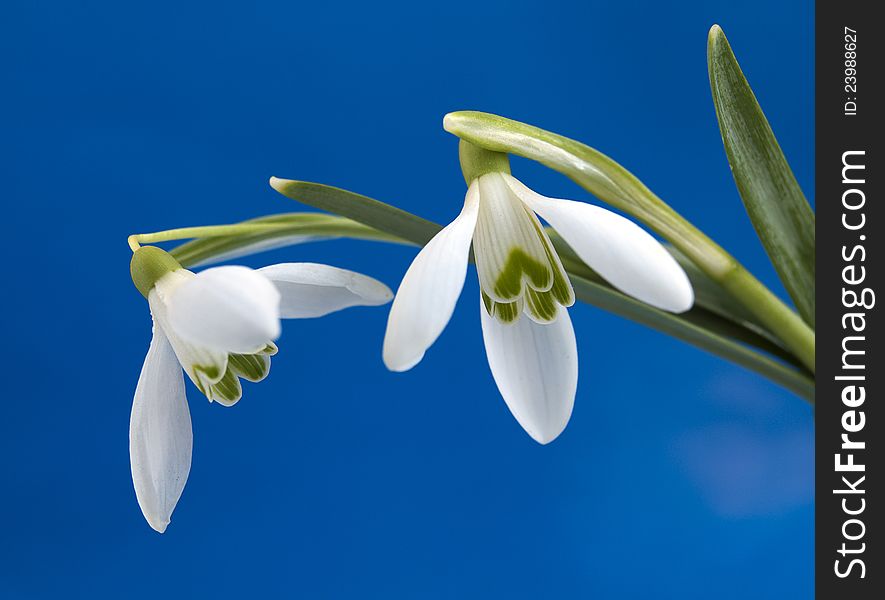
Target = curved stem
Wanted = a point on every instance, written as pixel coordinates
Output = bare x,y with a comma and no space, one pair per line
606,179
186,233
296,228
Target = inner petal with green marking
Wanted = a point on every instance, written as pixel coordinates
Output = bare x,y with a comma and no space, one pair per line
251,367
216,373
519,271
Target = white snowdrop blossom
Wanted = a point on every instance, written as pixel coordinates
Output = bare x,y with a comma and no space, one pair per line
525,291
218,326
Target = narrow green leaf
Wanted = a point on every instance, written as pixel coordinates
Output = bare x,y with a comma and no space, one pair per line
701,326
363,209
780,213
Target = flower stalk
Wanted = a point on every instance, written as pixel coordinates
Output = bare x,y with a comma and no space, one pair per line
206,231
609,181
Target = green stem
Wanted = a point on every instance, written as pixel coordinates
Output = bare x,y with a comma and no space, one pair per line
612,183
206,231
294,228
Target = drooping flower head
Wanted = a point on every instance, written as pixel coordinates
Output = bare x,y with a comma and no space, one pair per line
218,326
524,289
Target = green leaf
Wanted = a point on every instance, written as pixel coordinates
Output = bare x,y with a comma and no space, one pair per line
780,213
700,326
362,209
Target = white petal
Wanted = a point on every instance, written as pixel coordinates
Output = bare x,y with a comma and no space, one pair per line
313,290
536,369
205,366
228,308
623,253
160,435
430,289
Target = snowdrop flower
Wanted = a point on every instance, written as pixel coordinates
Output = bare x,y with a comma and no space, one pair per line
525,291
218,326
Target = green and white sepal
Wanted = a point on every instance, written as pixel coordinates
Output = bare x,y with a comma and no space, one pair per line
219,326
533,359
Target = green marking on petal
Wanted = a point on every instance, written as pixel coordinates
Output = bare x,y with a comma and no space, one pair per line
562,288
228,390
251,367
199,383
511,253
548,285
488,303
505,312
269,350
541,306
205,376
519,267
212,372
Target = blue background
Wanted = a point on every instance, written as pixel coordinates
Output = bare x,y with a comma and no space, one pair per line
679,475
